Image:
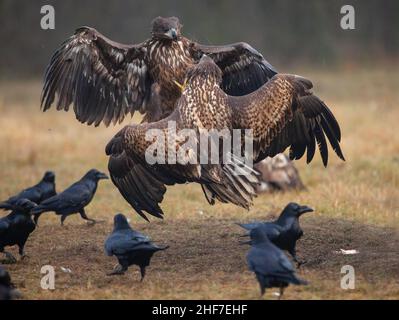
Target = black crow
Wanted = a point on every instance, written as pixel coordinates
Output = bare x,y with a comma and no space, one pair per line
16,227
39,192
273,230
7,289
270,265
287,225
129,246
73,199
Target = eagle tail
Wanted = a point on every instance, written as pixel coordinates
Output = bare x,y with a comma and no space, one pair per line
238,185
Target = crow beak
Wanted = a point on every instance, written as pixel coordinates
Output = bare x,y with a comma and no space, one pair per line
245,242
181,86
102,176
171,34
244,235
304,209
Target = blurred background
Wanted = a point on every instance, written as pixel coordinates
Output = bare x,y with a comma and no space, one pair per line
287,32
356,72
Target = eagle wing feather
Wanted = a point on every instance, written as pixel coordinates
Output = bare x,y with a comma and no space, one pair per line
284,113
103,79
244,69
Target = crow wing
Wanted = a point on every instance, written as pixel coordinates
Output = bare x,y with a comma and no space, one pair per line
272,230
32,193
103,79
284,113
244,69
77,195
122,242
269,260
4,225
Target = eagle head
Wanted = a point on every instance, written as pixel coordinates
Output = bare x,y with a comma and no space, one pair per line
166,28
206,68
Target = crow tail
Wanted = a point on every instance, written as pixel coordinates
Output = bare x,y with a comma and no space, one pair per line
6,206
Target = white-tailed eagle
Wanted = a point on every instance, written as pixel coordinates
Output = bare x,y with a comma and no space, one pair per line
283,113
105,80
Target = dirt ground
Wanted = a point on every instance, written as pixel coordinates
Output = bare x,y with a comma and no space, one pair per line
356,202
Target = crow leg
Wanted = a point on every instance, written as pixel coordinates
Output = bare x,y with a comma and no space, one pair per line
118,270
281,293
83,215
262,289
63,219
36,218
261,282
298,262
22,252
142,271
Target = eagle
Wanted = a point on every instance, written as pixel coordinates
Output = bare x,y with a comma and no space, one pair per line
278,174
105,80
280,114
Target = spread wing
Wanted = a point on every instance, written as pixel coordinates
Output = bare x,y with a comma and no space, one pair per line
244,68
104,80
144,185
284,113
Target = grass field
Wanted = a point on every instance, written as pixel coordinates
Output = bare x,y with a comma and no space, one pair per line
356,202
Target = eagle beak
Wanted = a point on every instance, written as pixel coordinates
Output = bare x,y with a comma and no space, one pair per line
181,86
171,34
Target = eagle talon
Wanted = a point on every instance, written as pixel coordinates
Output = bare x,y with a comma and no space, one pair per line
181,86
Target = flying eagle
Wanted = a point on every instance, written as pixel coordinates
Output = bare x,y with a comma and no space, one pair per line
105,80
282,113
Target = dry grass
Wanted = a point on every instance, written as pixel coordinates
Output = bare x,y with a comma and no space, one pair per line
357,205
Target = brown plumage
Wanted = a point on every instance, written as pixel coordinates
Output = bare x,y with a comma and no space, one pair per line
105,80
278,174
282,113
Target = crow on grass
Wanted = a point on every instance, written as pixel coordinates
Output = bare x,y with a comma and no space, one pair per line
270,265
129,246
39,192
16,227
285,231
73,199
